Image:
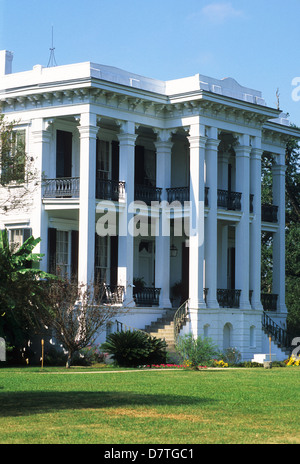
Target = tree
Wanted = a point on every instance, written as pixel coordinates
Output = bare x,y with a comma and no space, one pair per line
19,177
76,314
22,288
292,161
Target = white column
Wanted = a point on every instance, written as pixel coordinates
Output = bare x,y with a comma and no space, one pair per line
242,258
87,199
197,141
127,138
211,237
255,226
162,242
41,151
279,236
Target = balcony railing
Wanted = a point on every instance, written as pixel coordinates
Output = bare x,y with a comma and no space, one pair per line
182,194
112,294
63,187
110,189
269,301
269,213
228,298
229,200
146,296
147,194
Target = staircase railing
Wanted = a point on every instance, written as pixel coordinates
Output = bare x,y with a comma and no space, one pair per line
122,327
281,337
179,318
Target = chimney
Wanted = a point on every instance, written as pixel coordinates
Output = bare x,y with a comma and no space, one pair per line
6,58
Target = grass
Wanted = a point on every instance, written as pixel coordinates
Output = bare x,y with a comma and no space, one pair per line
236,406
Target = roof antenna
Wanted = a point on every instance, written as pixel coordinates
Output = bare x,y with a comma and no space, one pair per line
52,60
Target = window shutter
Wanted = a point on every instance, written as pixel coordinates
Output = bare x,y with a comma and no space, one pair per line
52,250
74,254
27,233
114,260
115,160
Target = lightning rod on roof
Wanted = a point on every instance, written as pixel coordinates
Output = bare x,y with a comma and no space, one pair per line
52,60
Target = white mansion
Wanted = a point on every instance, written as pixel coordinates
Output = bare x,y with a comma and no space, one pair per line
153,187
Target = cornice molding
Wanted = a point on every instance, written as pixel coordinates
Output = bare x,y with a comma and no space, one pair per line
119,98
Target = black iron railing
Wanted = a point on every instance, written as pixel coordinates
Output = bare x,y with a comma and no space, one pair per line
112,294
110,189
269,301
180,318
147,194
228,298
229,200
281,337
146,296
182,194
63,187
269,213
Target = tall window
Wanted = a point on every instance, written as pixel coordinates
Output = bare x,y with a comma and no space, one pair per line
18,236
62,253
13,157
103,165
101,259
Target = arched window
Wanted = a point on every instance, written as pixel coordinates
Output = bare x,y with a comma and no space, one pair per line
206,330
227,336
252,336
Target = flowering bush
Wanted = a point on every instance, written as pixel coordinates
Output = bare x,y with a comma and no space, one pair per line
292,361
92,354
198,351
220,363
232,356
185,364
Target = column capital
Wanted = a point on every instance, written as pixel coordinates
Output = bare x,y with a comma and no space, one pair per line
88,131
163,145
197,141
164,135
212,144
127,139
242,150
278,169
256,153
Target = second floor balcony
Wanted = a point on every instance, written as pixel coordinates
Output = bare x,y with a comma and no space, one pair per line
147,193
113,190
69,187
269,213
62,187
229,200
182,194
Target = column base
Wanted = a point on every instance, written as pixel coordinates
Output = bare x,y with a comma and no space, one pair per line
212,304
257,305
165,303
245,305
197,304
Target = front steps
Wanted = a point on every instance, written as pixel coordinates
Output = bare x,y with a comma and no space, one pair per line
164,328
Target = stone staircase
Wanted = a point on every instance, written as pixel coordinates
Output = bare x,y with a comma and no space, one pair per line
164,328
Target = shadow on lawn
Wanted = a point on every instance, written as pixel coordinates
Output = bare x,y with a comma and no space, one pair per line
27,403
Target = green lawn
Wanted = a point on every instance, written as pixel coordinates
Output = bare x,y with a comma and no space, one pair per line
151,407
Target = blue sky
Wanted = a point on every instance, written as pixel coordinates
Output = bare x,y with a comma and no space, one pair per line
254,41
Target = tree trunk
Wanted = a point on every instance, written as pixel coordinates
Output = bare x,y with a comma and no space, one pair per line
68,363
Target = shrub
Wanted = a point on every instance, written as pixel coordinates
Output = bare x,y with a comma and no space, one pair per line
292,361
232,355
131,349
199,351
